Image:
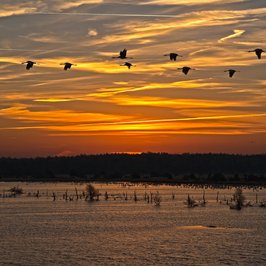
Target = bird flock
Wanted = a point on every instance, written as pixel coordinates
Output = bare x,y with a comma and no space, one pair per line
172,56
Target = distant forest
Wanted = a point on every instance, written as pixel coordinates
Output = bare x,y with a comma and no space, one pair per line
145,167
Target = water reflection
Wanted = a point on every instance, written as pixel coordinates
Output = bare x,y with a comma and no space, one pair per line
128,232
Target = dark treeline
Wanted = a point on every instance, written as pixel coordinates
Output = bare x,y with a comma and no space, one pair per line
147,167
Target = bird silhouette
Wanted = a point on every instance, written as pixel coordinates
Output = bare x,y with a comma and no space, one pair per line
185,69
29,64
231,72
129,65
67,65
173,56
122,55
258,52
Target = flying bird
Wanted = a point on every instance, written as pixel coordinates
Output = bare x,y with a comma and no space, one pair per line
29,64
173,56
67,65
231,72
129,65
185,69
122,55
258,52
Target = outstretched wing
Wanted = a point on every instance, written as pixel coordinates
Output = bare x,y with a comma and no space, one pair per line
123,53
258,53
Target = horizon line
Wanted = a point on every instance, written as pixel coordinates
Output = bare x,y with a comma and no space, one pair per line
130,154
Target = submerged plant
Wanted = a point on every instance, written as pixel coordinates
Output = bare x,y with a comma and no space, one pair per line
92,192
157,199
239,199
190,202
16,190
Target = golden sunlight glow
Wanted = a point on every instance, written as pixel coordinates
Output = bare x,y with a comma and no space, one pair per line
100,105
20,112
54,100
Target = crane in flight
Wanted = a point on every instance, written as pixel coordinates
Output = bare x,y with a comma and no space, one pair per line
258,52
186,69
231,72
122,55
129,65
67,65
173,56
29,64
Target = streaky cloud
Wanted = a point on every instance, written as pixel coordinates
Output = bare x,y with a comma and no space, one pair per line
218,117
104,14
236,33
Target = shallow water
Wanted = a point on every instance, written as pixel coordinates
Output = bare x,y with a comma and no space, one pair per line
118,232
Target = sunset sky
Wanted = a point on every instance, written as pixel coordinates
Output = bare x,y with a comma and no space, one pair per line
99,106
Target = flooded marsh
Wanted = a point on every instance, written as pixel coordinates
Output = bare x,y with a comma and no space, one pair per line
129,231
